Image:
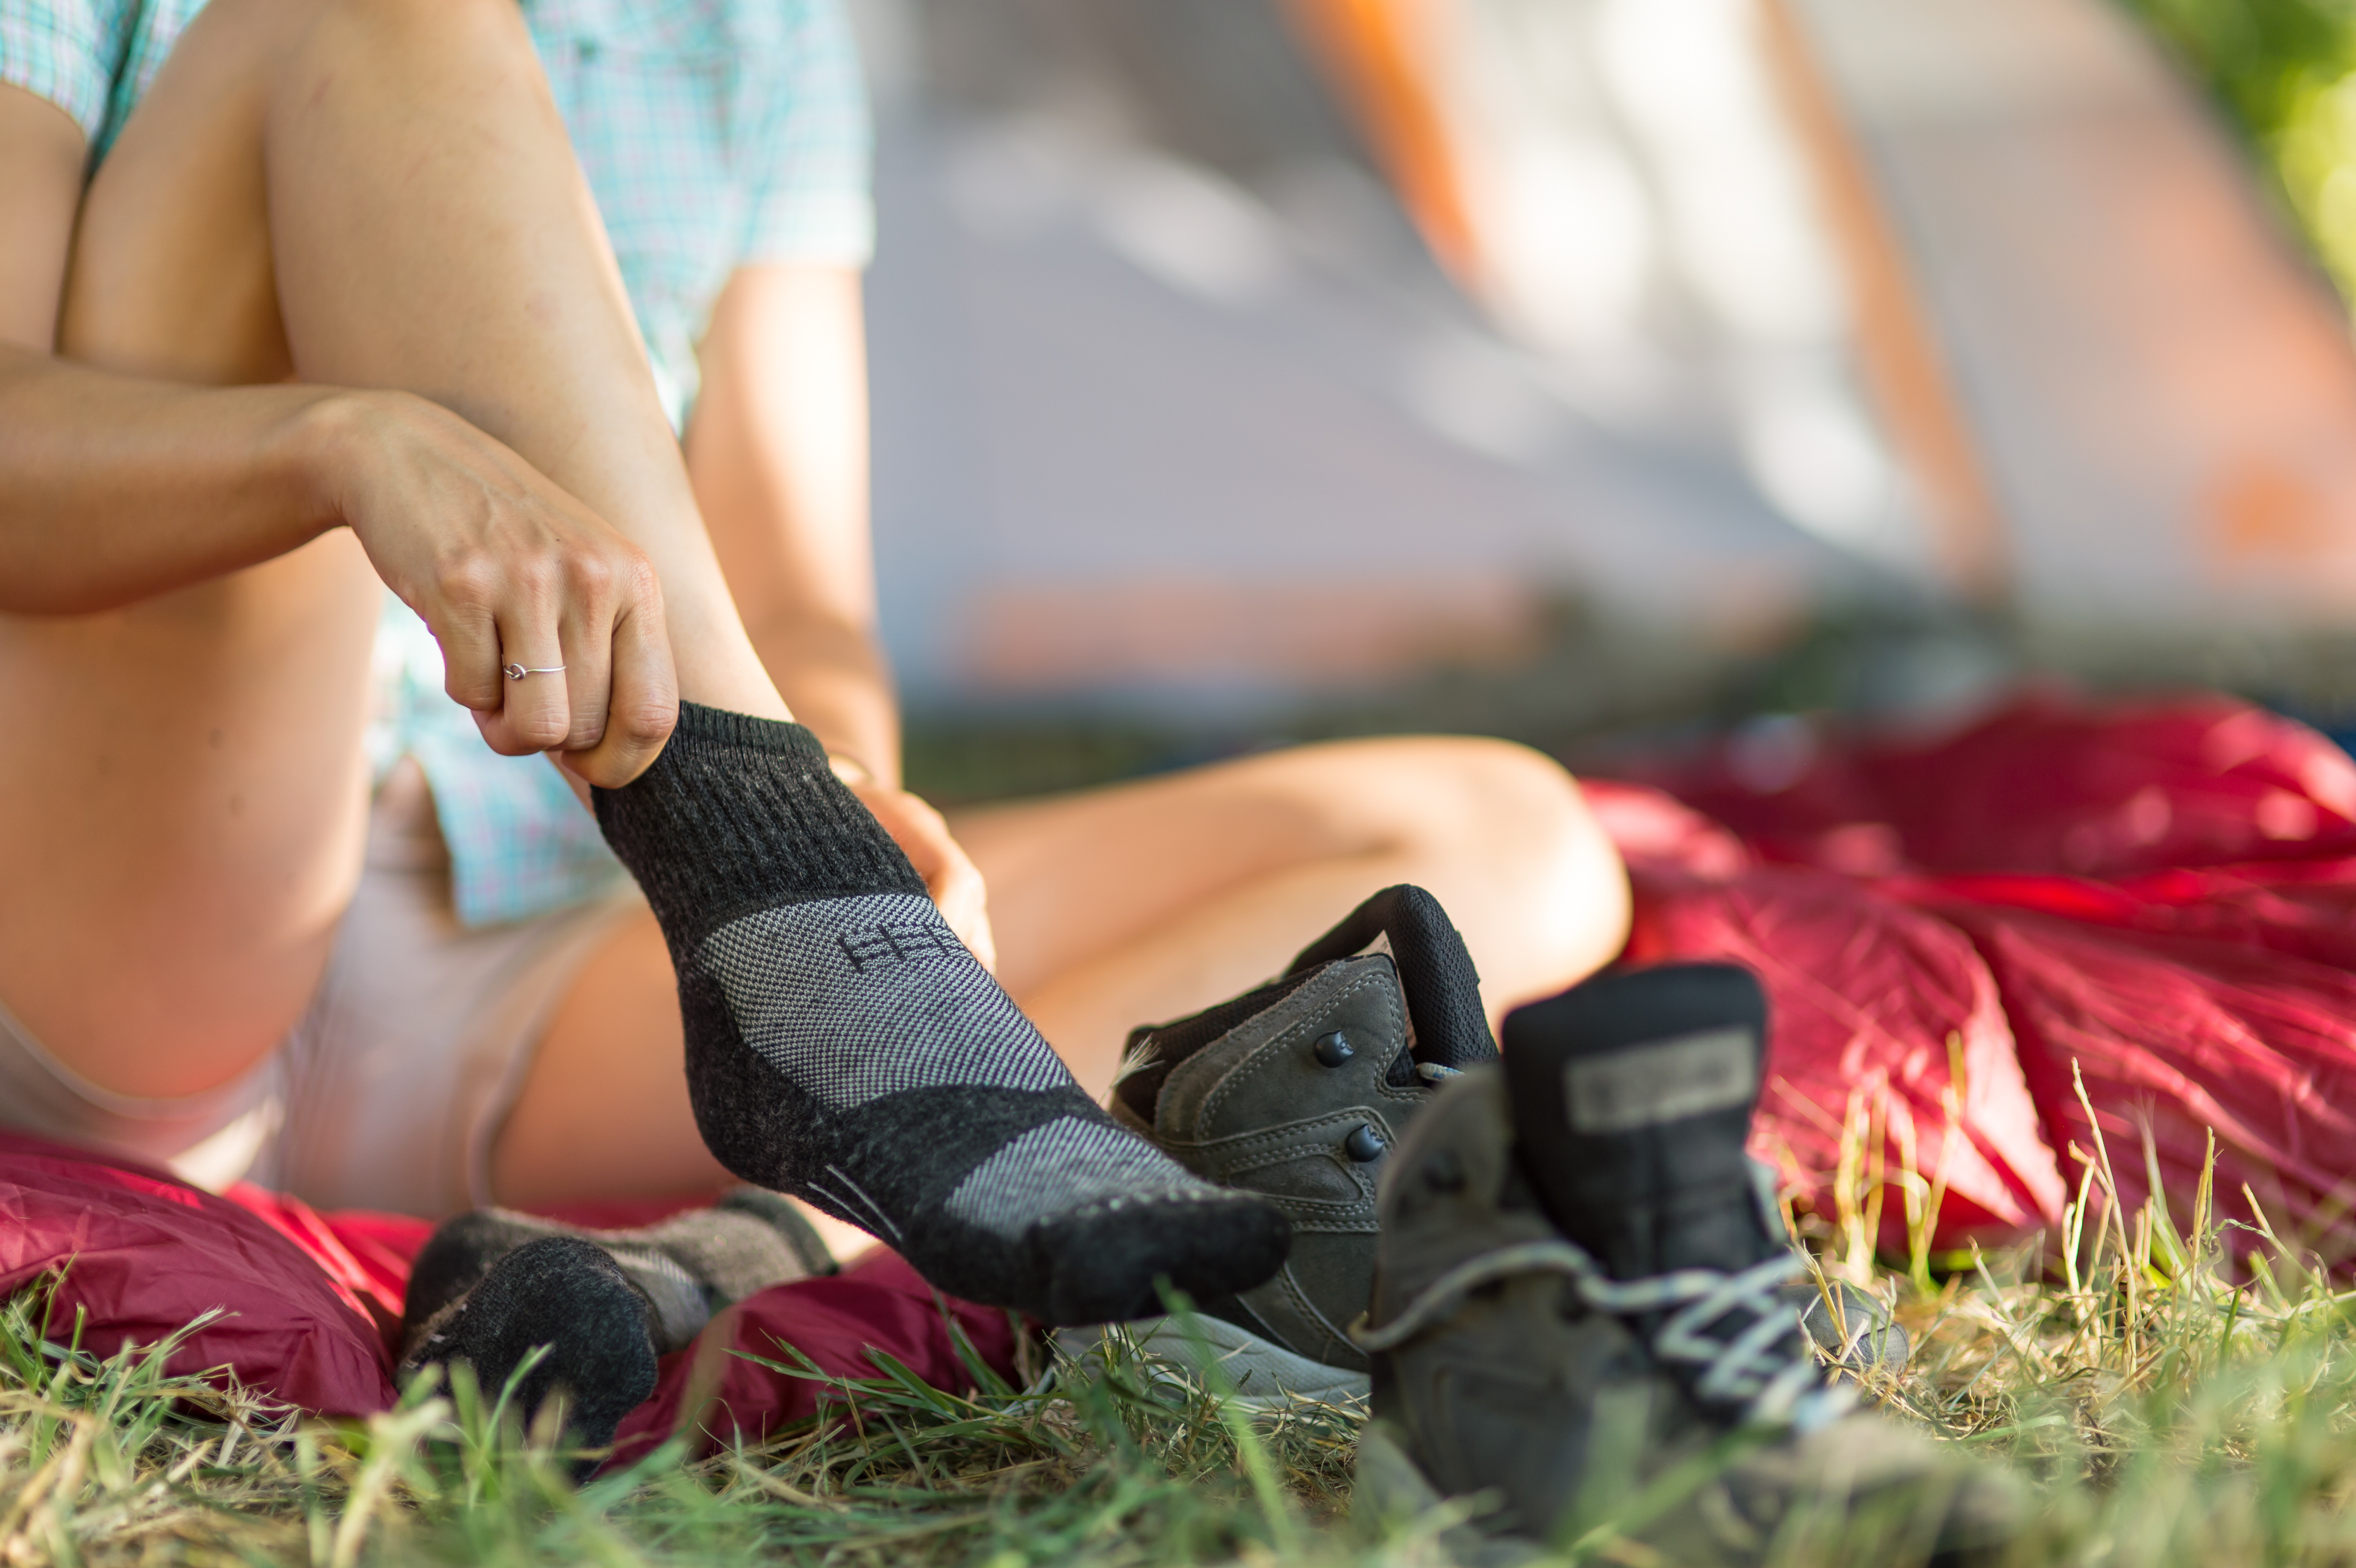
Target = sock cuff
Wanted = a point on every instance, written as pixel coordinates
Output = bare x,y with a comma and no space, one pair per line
702,725
740,813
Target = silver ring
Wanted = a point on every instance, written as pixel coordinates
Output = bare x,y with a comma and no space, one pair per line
517,671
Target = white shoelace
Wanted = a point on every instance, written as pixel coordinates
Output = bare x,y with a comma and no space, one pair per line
1762,1369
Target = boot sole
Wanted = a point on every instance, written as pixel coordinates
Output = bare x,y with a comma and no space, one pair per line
1261,1374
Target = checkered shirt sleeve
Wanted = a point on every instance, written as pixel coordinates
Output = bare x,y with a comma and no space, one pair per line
713,133
93,58
65,51
810,142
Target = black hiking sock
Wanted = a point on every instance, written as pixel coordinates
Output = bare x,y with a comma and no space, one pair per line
842,1045
688,1266
565,1293
1632,1098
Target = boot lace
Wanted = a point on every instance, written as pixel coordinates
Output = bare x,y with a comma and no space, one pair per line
1735,1344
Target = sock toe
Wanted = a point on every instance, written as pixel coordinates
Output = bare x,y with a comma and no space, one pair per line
454,1259
565,1293
1103,1262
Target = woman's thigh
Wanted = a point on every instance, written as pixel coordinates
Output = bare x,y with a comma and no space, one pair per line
1257,857
182,793
182,804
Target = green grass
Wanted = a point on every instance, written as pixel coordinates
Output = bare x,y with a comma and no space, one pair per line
2169,1410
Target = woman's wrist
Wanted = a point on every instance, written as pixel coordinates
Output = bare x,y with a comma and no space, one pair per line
315,450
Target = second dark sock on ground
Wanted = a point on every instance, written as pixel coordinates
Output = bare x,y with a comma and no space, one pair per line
567,1294
688,1266
842,1045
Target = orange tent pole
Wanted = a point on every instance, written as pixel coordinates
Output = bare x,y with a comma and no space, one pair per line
1897,345
1373,51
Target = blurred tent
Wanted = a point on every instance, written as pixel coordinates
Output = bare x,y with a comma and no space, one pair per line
2162,388
1229,354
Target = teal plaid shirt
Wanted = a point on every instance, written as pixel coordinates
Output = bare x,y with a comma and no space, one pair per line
713,133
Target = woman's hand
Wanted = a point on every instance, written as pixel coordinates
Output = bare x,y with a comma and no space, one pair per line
949,875
508,570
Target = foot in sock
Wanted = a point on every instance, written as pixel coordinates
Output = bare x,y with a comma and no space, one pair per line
842,1045
565,1293
688,1266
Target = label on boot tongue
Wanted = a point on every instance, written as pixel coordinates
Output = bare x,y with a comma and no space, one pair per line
1382,945
1714,1069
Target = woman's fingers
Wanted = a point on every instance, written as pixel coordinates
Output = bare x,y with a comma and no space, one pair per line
642,697
588,631
551,621
469,635
533,714
583,663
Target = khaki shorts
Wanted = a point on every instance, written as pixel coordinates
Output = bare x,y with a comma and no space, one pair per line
388,1092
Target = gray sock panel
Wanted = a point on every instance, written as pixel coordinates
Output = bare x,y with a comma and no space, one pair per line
842,1045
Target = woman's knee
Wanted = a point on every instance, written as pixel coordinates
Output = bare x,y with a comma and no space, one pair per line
1508,827
478,47
1471,794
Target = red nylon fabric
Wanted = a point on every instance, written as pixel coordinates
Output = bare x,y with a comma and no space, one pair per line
2160,894
148,1253
879,1302
314,1297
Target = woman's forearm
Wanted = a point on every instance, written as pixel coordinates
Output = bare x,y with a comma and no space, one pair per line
115,489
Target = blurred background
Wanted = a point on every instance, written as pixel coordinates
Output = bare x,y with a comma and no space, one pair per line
1602,373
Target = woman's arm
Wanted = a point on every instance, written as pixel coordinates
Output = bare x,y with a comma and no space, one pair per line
777,452
90,521
116,488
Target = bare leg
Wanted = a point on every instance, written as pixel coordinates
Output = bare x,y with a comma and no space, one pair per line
1151,900
390,180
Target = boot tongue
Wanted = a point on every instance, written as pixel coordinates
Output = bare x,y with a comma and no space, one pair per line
1446,1022
1154,1050
1632,1098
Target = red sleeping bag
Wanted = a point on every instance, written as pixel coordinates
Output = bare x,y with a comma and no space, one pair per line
2160,895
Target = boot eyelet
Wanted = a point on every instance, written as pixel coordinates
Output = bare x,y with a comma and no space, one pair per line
1364,1143
1333,1049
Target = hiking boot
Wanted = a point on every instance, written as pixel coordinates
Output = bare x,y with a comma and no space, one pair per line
1296,1092
1577,1313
